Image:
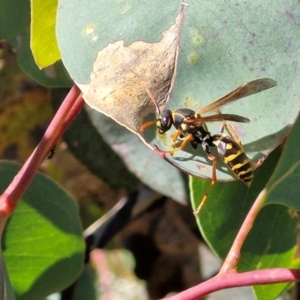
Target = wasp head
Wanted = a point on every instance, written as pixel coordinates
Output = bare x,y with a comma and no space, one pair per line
165,121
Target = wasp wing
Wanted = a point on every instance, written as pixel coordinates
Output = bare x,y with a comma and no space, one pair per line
246,89
218,117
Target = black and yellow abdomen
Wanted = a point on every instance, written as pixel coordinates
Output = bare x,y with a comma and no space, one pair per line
234,157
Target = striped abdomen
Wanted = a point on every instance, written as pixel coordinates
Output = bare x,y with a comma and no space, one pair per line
234,157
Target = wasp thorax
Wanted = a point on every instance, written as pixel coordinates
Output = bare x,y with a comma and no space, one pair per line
164,122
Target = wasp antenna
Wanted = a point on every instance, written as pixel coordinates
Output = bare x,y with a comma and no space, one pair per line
153,100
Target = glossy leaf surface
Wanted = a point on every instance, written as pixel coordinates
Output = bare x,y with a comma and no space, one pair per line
15,29
217,47
43,242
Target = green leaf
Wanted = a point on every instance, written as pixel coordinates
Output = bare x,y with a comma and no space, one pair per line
272,241
8,288
103,22
85,287
220,46
282,187
42,244
43,39
227,205
14,28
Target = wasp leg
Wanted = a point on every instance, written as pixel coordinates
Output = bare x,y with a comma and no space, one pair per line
188,138
213,181
175,135
147,124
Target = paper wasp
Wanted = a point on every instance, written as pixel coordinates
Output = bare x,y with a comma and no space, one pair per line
190,126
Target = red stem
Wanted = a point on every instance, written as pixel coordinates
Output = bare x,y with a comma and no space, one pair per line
233,279
75,109
234,253
65,114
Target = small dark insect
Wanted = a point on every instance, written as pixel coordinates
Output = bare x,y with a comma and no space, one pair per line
192,129
52,152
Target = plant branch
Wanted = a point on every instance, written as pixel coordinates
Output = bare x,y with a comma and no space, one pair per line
234,253
65,114
233,279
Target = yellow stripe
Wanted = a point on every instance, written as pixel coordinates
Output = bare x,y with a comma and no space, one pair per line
245,172
240,165
248,178
231,157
